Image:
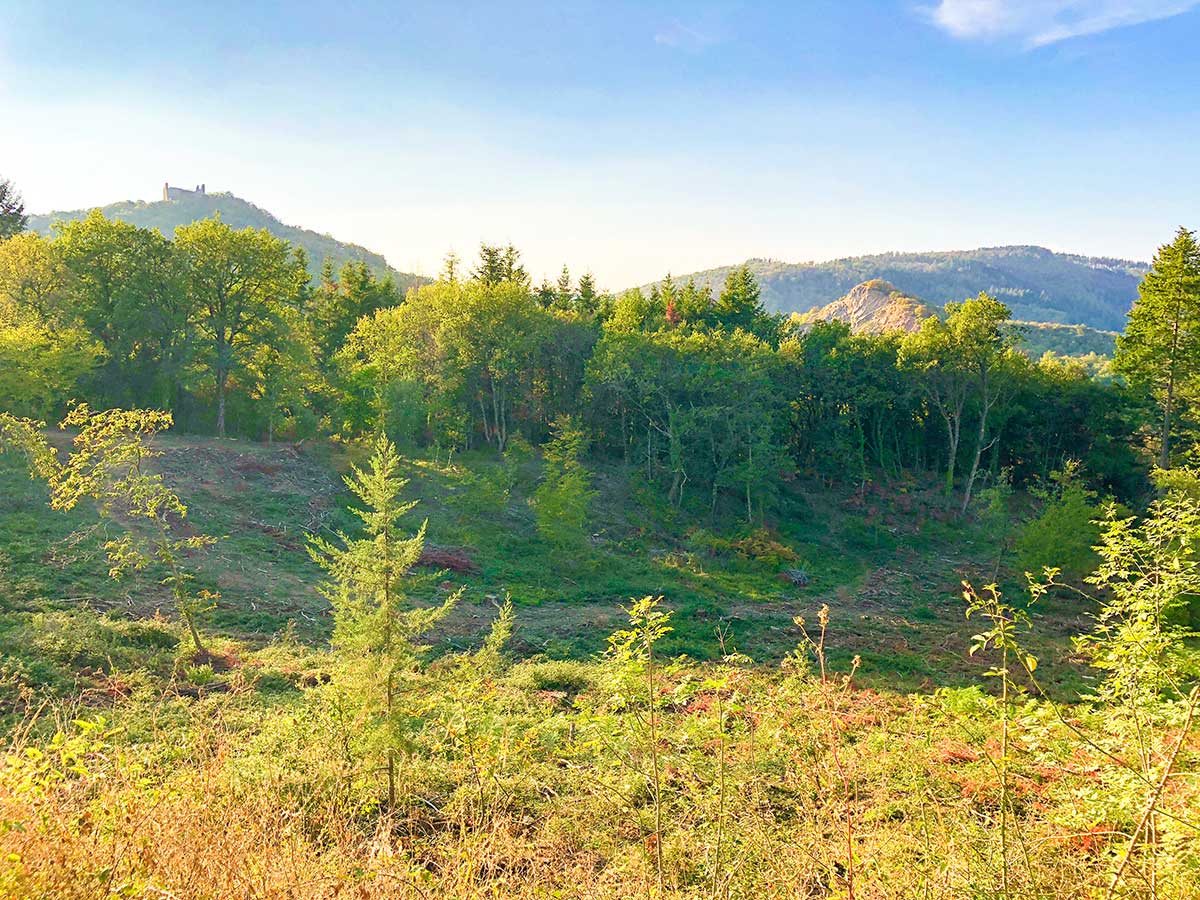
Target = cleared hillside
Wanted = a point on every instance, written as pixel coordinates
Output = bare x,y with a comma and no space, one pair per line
1039,285
167,215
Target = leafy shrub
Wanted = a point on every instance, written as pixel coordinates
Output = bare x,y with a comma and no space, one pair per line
84,639
201,675
1065,532
761,546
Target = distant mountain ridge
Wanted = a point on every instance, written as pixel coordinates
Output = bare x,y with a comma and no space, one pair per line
1039,285
187,206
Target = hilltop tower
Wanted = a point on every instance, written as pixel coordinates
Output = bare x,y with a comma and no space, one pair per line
174,193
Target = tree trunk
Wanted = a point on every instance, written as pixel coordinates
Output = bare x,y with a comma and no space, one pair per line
1164,454
222,379
979,448
749,471
952,433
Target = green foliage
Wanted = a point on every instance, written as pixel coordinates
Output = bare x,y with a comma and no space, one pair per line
477,356
12,210
34,281
562,501
1065,530
242,283
1160,350
340,301
42,365
1148,572
128,290
965,363
489,659
376,629
1039,338
500,265
109,466
700,410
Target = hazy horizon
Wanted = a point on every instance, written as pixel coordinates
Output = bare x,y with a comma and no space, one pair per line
625,140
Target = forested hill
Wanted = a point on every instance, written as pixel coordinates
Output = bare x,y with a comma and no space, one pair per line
167,215
1039,285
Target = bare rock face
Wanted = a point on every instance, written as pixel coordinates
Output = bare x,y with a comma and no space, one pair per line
874,307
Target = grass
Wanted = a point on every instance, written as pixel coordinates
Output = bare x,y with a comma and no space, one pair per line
530,783
887,559
152,772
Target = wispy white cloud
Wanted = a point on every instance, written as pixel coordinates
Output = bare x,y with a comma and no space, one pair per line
687,37
1036,23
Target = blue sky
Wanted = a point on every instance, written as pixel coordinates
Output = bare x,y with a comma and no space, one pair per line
630,139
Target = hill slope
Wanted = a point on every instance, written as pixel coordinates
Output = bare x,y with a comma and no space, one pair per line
1039,285
1066,340
167,215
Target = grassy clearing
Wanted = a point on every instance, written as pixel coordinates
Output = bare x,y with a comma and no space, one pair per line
553,772
888,560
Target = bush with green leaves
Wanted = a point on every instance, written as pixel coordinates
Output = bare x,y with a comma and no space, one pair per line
1065,531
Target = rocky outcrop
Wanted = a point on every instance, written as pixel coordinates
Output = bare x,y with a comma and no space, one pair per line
874,307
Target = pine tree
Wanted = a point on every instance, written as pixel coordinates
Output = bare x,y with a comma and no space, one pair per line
739,305
564,297
498,265
587,293
546,294
1160,350
12,211
513,270
375,626
490,269
328,276
694,303
563,499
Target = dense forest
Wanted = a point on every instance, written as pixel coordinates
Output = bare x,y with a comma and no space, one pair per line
711,394
487,587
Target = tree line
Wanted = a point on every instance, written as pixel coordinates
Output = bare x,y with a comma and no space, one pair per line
712,398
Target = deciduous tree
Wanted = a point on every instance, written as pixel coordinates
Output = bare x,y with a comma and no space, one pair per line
239,281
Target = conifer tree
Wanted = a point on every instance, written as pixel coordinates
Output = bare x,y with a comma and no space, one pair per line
588,295
738,306
1160,350
561,502
694,303
376,628
546,294
450,267
563,295
12,210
